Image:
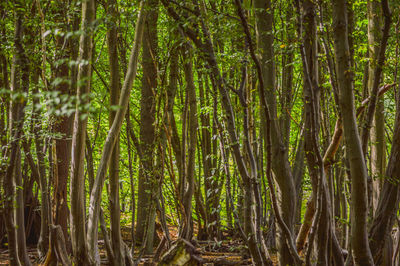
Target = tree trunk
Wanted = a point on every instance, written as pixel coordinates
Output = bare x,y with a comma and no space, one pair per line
388,199
112,136
43,243
211,222
19,84
378,147
358,170
146,201
312,123
77,189
20,209
115,213
187,230
280,163
63,126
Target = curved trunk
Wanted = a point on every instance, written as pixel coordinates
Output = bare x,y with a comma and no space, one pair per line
358,170
112,136
280,164
388,200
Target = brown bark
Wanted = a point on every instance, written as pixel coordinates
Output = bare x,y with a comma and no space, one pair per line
380,60
13,178
280,164
378,143
358,170
208,49
112,40
271,129
59,245
130,168
210,221
212,217
63,126
146,201
388,201
329,159
311,92
112,136
78,231
385,213
189,181
40,175
107,243
43,243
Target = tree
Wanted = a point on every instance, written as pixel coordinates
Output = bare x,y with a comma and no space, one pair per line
112,41
112,138
358,171
147,194
232,130
280,165
14,217
78,231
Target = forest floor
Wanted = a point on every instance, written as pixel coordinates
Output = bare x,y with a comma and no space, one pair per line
225,252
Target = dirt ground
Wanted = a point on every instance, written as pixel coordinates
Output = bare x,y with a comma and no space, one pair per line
226,252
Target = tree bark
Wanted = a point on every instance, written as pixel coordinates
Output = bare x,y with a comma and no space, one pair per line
280,163
19,84
63,126
77,189
378,143
112,136
146,201
208,49
43,242
388,201
380,60
311,93
187,230
358,171
115,213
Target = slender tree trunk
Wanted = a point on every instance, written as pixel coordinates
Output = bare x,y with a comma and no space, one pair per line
211,228
206,147
322,226
187,230
20,212
312,123
43,243
388,200
112,40
4,107
358,171
130,168
77,189
63,126
19,84
145,211
287,80
388,203
378,147
208,49
280,163
112,136
379,62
